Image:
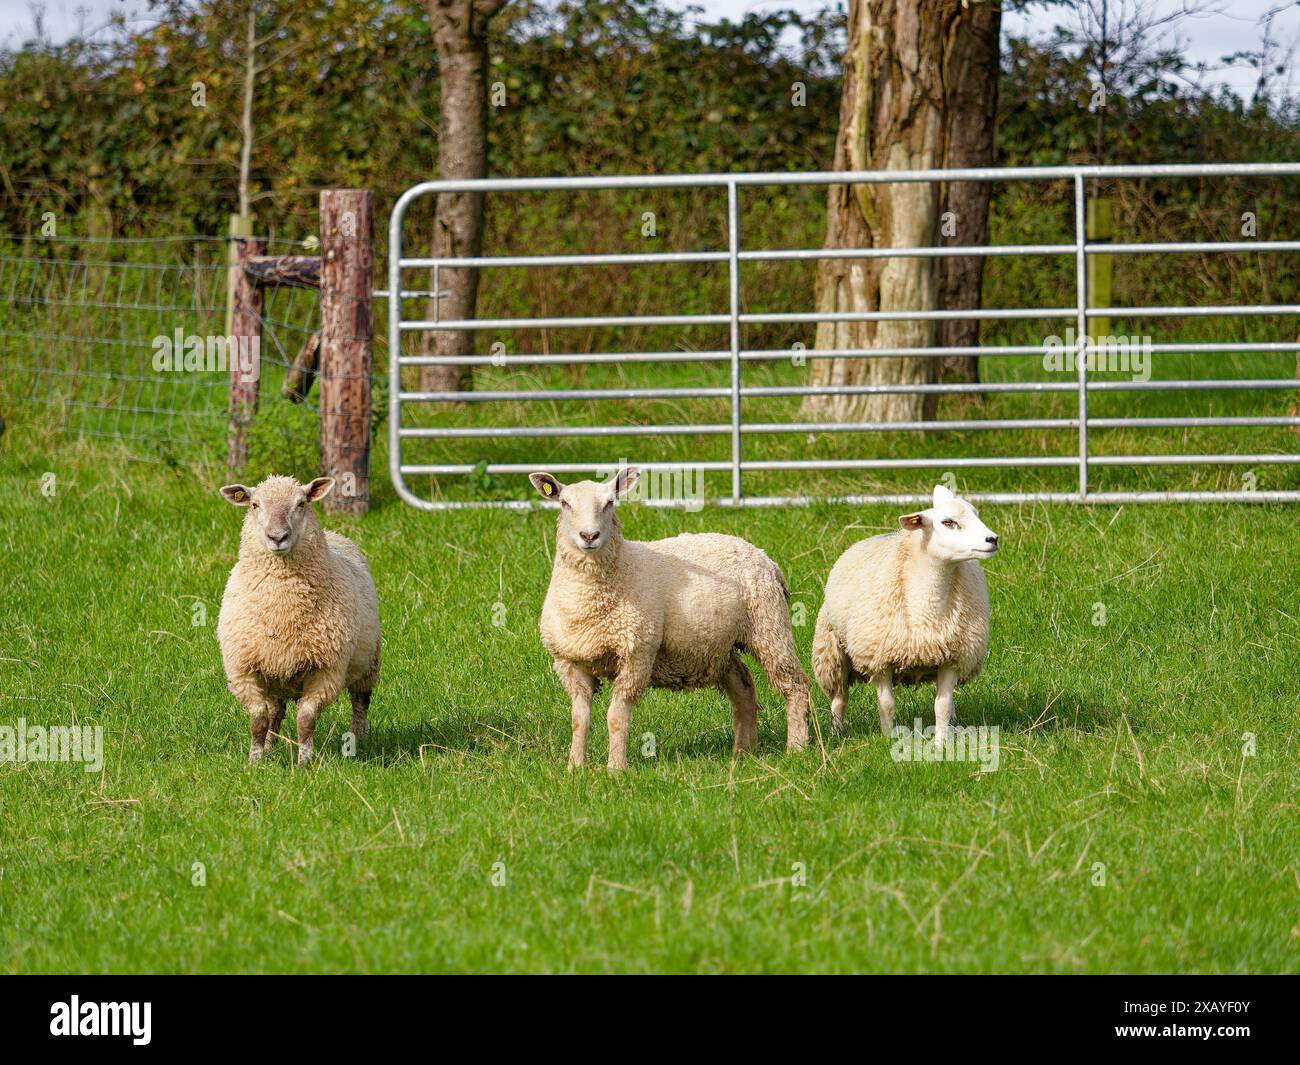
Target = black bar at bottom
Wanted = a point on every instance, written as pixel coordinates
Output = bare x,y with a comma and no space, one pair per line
140,1014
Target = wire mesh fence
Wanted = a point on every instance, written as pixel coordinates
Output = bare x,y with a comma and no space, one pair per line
125,338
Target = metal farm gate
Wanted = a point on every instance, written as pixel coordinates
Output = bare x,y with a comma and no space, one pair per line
1077,316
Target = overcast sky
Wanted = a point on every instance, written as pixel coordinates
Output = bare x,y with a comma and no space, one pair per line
1208,38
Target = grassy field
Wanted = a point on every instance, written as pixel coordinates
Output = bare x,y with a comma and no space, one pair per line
1127,826
1143,815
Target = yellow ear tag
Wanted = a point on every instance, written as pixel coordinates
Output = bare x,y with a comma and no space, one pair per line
546,488
239,494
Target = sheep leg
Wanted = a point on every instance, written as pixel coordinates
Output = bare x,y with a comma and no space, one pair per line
772,641
831,668
620,721
944,688
739,688
307,712
839,704
884,681
277,722
581,686
798,708
627,688
781,665
319,691
259,720
360,714
261,711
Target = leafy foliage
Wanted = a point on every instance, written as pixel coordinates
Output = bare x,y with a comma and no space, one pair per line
142,133
147,128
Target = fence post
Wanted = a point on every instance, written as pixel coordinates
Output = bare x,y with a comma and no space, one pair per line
347,231
1081,326
733,278
243,343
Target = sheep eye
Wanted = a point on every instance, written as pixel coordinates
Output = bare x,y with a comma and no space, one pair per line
253,505
565,504
609,504
950,524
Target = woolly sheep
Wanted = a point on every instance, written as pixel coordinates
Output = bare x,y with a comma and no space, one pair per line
665,614
299,618
908,607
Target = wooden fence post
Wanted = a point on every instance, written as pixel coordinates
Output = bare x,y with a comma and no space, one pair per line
347,261
243,344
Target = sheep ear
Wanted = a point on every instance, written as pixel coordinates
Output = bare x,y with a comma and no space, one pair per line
237,494
909,522
943,494
625,480
319,489
546,484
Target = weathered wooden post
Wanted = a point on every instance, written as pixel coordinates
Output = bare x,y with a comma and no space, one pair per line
346,265
243,347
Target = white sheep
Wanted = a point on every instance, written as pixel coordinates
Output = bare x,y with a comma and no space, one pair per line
665,614
908,607
299,618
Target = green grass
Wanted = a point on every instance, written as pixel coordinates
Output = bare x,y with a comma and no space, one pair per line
1121,744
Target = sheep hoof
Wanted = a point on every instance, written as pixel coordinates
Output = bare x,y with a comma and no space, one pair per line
837,728
254,755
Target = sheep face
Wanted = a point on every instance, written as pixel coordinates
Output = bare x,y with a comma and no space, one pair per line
278,508
586,507
951,530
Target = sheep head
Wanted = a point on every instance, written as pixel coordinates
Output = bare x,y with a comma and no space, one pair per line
279,509
586,507
950,530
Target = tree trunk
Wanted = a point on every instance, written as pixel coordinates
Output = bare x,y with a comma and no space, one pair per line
246,114
895,113
973,70
460,36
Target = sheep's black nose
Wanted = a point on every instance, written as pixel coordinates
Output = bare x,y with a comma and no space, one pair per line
991,540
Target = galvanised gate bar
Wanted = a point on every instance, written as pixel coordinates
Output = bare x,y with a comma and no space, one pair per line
736,356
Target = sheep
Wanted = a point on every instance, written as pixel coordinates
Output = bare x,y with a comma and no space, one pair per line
299,617
666,614
907,607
